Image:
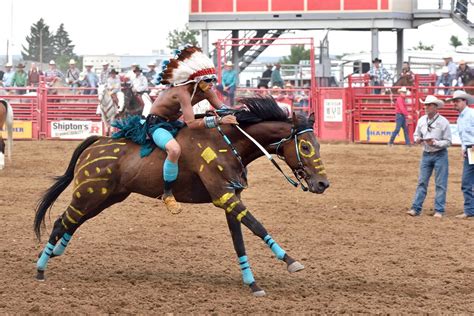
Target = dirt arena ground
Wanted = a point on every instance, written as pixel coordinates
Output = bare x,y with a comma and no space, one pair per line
361,252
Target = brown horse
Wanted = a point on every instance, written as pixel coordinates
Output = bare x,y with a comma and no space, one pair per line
403,81
6,116
213,164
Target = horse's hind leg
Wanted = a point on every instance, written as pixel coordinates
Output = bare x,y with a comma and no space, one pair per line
65,226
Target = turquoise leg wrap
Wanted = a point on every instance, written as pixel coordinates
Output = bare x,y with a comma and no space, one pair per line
61,245
247,274
276,249
170,171
45,255
161,137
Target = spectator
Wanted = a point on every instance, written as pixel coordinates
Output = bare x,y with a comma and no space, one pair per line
140,89
434,132
52,74
464,73
151,75
104,75
34,75
266,77
8,75
452,68
229,82
91,80
20,79
130,75
408,73
378,75
444,80
401,117
466,134
276,78
114,87
72,74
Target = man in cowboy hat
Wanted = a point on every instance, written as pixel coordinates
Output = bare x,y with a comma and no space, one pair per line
401,117
229,82
72,74
114,87
20,79
52,74
464,73
266,77
151,75
104,74
434,132
8,75
91,79
466,134
378,75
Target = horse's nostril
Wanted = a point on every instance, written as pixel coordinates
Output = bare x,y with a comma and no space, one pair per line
324,184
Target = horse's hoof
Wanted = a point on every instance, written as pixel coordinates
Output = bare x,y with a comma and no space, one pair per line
40,276
256,290
295,267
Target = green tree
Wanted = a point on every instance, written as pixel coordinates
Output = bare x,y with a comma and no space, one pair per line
33,50
297,53
422,46
63,48
179,37
454,41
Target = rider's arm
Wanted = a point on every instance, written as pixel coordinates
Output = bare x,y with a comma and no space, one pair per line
214,100
185,100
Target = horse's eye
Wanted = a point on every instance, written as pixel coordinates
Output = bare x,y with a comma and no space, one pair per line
305,147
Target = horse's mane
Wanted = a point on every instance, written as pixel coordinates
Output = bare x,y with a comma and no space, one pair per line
266,109
260,109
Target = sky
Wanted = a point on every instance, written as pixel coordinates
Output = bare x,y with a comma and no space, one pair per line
140,26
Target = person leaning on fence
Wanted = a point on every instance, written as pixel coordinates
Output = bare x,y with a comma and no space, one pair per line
466,134
34,75
53,73
276,79
8,75
408,73
434,132
91,79
464,73
378,75
229,82
444,80
266,77
401,117
20,79
72,74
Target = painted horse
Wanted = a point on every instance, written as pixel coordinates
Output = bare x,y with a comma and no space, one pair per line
107,108
106,171
6,116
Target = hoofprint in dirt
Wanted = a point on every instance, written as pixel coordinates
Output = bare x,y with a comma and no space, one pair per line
362,253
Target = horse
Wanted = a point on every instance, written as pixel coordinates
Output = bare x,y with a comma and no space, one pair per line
6,116
106,108
213,168
403,81
133,105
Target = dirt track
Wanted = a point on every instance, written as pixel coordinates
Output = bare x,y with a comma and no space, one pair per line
362,253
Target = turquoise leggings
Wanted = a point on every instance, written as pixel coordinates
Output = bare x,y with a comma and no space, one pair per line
161,137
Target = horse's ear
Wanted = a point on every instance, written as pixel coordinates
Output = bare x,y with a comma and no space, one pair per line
311,119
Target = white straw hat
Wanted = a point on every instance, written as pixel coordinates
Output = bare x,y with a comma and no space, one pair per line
432,99
402,89
460,94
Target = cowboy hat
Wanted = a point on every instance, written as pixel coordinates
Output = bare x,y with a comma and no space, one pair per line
20,65
459,94
105,63
431,99
377,60
462,62
52,62
151,63
72,62
402,90
229,64
8,65
113,71
446,56
89,64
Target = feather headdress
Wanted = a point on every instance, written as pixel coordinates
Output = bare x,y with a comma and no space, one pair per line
189,65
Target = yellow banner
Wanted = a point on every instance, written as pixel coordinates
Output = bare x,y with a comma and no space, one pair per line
21,130
376,132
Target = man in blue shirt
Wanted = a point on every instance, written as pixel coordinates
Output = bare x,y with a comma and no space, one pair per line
229,82
466,134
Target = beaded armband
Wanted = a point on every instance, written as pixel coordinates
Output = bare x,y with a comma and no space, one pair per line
210,122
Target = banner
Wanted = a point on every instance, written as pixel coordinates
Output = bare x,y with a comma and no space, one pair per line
75,129
333,110
375,132
21,130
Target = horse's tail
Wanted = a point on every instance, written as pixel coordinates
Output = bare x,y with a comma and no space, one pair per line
50,196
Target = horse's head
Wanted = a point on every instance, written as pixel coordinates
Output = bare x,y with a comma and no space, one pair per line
101,92
301,153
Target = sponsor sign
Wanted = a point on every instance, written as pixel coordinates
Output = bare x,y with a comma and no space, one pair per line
75,129
21,130
333,110
375,132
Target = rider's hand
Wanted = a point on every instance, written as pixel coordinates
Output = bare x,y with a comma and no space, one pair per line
229,119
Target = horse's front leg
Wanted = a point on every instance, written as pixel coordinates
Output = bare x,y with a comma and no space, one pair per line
236,210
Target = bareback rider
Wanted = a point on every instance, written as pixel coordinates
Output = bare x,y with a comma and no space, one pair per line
190,75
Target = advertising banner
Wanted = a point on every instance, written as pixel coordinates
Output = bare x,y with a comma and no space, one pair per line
379,132
21,130
75,129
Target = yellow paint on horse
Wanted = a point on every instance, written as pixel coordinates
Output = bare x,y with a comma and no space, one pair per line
103,191
319,167
199,145
95,160
241,214
220,168
116,150
88,156
97,169
201,168
78,195
102,151
70,219
208,155
222,150
109,171
312,151
232,206
89,180
86,173
220,202
90,190
64,224
110,144
76,210
317,160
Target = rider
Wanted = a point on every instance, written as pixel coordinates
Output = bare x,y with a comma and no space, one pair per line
114,87
190,75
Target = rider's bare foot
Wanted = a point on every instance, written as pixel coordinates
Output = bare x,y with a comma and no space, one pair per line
172,205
